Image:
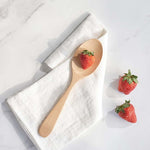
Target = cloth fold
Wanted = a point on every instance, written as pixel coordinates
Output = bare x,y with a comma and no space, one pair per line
83,107
90,28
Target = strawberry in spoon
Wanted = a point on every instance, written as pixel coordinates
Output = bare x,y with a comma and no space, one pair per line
87,59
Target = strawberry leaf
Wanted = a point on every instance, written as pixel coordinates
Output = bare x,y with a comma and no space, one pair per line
122,107
135,80
127,101
86,52
125,78
130,78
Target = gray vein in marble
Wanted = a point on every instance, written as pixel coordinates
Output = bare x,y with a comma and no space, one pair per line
5,13
33,12
4,8
140,29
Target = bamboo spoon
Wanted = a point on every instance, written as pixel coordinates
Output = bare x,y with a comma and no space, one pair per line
77,73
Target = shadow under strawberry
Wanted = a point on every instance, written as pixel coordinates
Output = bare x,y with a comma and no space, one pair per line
112,89
113,121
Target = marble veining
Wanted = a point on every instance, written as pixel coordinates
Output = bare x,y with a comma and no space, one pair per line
29,30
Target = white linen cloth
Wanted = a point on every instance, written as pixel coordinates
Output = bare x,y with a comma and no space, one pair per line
83,107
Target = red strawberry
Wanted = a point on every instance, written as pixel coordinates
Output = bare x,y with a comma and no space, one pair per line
127,83
87,59
127,112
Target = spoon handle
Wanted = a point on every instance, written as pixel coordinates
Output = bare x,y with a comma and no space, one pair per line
49,122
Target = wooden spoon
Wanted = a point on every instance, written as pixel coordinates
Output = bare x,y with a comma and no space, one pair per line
77,73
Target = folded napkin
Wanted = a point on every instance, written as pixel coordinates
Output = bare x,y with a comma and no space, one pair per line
83,107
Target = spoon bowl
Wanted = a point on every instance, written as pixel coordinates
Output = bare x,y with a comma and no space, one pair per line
93,45
77,73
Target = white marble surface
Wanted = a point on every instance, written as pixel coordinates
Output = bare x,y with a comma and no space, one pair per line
31,29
